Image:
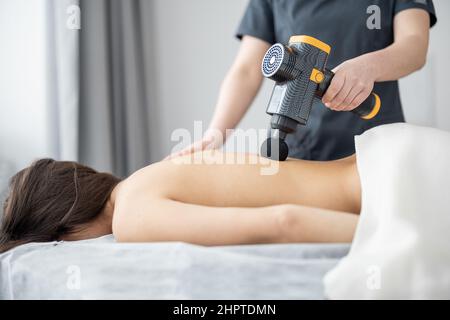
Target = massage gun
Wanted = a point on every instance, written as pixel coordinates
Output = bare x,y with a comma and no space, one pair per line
300,75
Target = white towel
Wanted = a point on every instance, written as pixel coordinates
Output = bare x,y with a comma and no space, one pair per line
401,249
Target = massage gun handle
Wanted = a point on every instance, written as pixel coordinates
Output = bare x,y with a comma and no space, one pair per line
366,110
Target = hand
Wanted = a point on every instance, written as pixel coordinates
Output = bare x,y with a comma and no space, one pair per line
351,85
208,142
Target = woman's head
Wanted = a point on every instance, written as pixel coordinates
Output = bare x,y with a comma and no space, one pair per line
52,199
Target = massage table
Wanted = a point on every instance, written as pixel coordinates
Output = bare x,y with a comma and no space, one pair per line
104,269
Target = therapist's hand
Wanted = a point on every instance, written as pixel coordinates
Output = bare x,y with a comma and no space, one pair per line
351,85
208,142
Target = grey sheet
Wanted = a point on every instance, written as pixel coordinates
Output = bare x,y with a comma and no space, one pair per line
103,269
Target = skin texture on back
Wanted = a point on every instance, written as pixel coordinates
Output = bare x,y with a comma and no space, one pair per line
234,203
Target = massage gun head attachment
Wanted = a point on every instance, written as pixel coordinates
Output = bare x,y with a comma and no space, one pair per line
279,63
291,67
275,147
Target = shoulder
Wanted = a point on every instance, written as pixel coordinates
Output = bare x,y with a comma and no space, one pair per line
151,181
130,190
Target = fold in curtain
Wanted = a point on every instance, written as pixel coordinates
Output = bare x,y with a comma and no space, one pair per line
114,121
62,75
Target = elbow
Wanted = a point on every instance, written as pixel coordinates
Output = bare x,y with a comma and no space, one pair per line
420,62
412,60
413,64
420,55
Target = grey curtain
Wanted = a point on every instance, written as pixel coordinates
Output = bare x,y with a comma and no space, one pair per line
62,66
115,93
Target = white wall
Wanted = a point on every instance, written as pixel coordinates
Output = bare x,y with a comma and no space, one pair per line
194,47
424,93
22,81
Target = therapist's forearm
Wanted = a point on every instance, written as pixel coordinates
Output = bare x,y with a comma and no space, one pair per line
408,53
397,60
237,92
354,79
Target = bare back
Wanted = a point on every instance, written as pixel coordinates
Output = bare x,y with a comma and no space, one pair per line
331,185
213,203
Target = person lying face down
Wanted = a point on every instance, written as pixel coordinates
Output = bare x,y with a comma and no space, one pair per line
206,204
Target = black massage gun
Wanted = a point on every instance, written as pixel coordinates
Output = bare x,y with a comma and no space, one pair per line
300,75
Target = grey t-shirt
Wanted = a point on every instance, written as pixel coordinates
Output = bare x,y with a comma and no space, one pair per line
351,28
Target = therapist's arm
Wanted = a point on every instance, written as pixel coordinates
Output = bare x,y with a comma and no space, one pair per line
355,78
240,85
237,92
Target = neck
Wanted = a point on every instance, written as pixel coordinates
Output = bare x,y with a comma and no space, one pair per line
101,226
108,211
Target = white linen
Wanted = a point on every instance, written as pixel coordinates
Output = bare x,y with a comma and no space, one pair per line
401,249
103,269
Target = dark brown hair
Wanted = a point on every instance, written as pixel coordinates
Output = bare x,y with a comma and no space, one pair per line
50,199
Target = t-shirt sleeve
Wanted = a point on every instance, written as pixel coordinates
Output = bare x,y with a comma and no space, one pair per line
426,5
258,21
